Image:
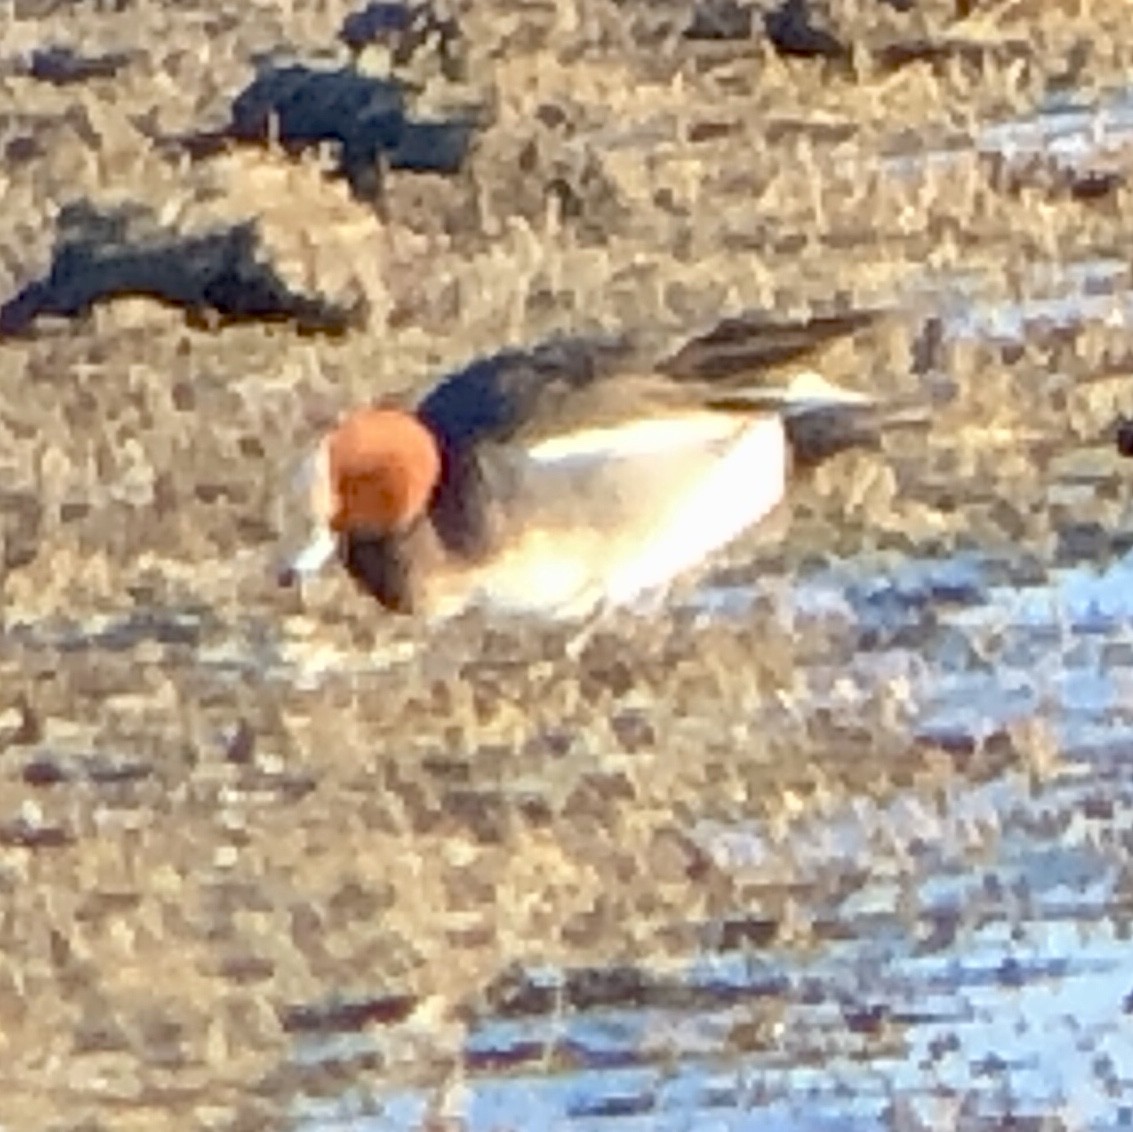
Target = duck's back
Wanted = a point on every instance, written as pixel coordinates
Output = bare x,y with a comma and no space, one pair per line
592,423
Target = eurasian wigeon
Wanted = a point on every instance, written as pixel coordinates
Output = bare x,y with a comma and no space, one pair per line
556,483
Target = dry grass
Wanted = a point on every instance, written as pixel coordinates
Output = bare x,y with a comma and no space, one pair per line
190,853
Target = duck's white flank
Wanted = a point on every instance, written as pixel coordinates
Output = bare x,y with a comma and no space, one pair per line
732,492
615,514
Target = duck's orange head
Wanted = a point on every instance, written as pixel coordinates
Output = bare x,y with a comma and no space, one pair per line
382,466
374,473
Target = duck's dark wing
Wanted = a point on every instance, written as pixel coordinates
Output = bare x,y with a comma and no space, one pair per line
493,397
487,403
742,359
754,344
821,433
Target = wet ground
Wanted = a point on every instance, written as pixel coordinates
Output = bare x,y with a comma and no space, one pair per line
953,959
837,840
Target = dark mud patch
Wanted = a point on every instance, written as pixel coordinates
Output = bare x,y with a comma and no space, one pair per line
366,119
217,278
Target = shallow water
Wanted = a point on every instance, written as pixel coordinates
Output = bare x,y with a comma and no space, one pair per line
972,967
975,965
1067,129
1095,291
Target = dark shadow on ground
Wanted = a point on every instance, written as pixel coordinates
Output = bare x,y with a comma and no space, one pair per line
64,66
886,38
218,278
366,119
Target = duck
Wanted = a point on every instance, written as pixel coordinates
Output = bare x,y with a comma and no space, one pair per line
570,480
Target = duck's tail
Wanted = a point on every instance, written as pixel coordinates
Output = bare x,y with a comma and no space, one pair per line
757,363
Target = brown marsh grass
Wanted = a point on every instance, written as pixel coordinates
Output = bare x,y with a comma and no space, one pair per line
191,853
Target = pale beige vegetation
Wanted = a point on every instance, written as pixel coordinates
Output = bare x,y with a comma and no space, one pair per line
190,853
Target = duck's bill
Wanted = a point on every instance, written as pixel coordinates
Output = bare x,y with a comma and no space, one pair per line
308,560
306,542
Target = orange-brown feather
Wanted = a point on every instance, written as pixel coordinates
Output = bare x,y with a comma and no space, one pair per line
384,467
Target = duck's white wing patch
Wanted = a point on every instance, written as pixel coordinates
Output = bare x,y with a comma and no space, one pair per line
806,392
606,515
810,390
654,436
